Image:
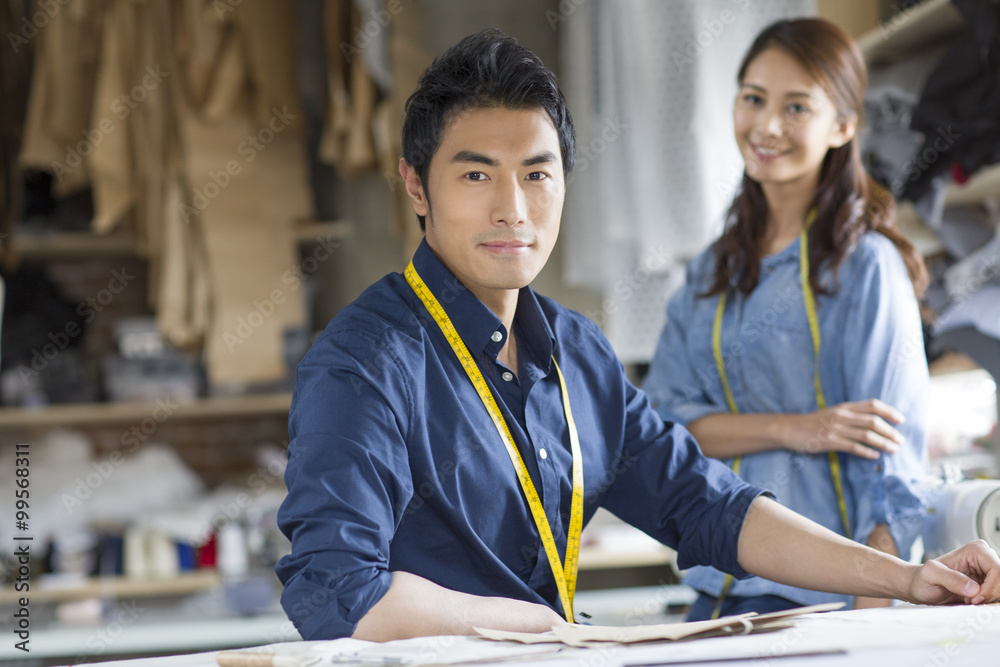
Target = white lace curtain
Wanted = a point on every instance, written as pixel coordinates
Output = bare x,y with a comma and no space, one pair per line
651,85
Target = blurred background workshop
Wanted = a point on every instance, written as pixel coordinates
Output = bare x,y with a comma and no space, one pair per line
189,191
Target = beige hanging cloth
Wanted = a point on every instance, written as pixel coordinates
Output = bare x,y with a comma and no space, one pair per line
246,184
58,131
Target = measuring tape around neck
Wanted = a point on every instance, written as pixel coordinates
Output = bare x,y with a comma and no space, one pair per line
810,306
565,574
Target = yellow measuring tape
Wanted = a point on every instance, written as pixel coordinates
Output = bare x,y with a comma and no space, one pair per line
565,575
810,304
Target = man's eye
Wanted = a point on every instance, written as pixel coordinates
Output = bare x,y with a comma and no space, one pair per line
537,176
476,176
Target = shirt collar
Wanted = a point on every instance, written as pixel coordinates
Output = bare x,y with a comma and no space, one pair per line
476,323
787,254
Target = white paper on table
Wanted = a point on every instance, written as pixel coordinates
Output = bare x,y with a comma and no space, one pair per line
443,650
591,635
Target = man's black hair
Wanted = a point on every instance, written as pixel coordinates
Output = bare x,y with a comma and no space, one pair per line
485,70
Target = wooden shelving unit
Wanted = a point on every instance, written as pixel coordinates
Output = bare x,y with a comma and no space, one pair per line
85,245
920,27
115,588
598,558
82,246
925,26
75,245
334,230
75,414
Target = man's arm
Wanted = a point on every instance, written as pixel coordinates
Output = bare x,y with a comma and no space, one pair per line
416,607
880,539
778,544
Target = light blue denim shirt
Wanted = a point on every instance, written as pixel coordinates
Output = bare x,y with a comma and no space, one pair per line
872,347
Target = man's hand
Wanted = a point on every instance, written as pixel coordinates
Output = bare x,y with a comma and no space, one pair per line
970,574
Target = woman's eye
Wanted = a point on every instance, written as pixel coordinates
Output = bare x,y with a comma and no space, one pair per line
752,99
798,109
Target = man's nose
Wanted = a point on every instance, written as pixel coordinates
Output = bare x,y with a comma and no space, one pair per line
510,204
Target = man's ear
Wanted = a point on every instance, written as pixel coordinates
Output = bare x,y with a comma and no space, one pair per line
843,131
414,188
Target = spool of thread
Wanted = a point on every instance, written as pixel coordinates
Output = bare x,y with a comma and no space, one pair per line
136,559
231,551
162,557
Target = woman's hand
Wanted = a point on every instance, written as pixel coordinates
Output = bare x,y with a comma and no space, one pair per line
860,428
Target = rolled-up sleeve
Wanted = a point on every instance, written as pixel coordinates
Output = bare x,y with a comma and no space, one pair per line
884,359
348,483
665,487
674,387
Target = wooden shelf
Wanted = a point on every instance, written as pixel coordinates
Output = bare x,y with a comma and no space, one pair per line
332,230
910,29
76,245
983,184
85,245
598,558
103,413
115,587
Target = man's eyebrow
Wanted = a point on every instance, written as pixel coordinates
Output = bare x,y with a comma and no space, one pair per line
541,158
477,158
764,90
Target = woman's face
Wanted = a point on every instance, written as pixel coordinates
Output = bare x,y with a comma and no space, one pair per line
784,121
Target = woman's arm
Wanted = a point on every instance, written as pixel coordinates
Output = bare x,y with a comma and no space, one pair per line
861,428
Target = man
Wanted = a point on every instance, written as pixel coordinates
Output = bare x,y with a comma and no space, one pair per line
452,431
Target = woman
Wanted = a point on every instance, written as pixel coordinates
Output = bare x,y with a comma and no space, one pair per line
805,371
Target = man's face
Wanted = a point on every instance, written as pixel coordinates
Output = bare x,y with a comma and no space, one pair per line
496,192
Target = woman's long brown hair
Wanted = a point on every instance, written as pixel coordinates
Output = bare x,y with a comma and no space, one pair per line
848,201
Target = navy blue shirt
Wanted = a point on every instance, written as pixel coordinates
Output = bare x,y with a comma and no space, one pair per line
394,463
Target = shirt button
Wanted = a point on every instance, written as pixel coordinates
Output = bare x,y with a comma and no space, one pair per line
497,336
542,454
507,376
